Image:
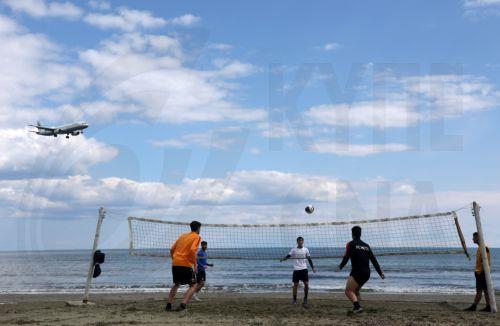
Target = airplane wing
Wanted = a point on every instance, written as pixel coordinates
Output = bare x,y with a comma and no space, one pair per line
44,128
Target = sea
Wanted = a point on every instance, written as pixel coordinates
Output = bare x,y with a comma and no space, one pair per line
65,272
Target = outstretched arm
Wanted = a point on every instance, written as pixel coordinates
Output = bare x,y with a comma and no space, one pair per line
376,264
286,257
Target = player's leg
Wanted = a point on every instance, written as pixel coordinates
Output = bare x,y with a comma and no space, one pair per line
484,287
189,294
477,299
171,296
487,299
200,279
350,289
295,280
200,285
173,290
304,277
187,276
479,293
353,286
306,291
358,294
294,292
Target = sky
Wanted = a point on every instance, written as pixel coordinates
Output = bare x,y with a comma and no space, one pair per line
245,112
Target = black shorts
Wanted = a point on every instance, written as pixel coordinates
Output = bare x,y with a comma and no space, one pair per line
361,277
480,281
300,275
201,276
183,275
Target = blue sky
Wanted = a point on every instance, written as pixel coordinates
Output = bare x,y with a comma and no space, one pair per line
244,113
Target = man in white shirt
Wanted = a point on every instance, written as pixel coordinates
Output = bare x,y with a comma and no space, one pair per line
300,256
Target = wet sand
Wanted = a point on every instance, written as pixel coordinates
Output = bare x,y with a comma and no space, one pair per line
241,309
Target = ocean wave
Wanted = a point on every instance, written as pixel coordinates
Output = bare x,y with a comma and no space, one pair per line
248,288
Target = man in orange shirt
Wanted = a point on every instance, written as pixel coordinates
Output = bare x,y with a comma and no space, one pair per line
183,254
480,277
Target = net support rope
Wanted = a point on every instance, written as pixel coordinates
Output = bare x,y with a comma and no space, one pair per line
437,233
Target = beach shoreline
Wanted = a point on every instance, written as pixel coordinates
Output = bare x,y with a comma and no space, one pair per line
240,309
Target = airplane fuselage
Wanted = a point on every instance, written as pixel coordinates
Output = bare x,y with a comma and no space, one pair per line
73,129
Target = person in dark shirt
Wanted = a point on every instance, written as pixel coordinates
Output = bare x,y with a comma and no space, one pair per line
360,255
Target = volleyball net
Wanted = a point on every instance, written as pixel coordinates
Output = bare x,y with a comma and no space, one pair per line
438,233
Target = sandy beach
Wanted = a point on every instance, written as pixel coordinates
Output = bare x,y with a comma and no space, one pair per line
241,309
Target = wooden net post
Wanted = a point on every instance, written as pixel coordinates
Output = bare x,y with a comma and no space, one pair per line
102,214
486,265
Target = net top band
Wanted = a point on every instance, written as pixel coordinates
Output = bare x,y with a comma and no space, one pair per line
412,217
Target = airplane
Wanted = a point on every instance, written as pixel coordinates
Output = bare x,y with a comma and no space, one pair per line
73,129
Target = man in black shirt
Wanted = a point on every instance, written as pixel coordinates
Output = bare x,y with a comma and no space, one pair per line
360,255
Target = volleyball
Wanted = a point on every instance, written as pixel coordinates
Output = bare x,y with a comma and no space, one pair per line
309,209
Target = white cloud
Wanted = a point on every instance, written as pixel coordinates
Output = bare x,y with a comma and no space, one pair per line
256,196
234,68
411,100
185,20
396,114
282,130
481,8
254,151
58,195
220,46
329,147
97,111
453,95
100,4
221,138
331,46
265,187
136,74
165,43
35,155
33,70
481,3
149,72
130,20
42,8
125,19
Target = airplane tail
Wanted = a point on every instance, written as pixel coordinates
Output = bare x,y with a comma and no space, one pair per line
38,125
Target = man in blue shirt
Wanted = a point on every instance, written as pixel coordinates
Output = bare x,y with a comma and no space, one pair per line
201,262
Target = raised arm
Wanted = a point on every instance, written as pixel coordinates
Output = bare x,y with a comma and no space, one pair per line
376,264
